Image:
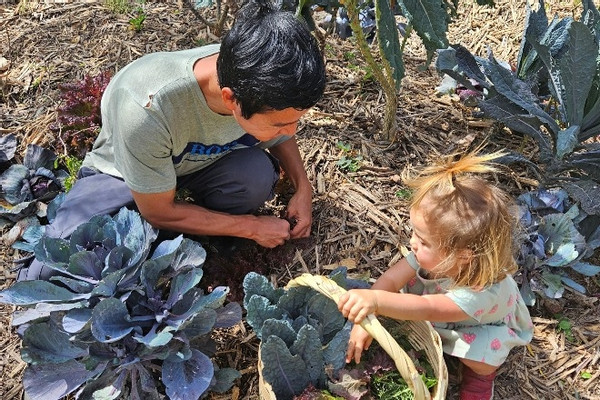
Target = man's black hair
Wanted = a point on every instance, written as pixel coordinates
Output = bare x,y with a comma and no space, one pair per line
270,60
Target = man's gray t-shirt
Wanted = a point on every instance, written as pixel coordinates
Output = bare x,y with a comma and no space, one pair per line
157,126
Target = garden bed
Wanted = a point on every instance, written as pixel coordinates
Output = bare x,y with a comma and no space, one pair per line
358,220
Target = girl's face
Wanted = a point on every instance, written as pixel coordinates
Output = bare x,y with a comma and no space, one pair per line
424,246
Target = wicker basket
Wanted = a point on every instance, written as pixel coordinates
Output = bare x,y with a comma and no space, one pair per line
420,334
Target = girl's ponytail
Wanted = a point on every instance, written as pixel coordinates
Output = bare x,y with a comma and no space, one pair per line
442,175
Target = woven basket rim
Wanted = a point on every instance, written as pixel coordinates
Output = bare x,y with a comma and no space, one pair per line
421,332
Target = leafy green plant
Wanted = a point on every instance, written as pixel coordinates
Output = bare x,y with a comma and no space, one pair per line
117,321
351,160
557,238
79,119
303,344
302,334
403,194
564,326
136,22
72,164
586,375
554,98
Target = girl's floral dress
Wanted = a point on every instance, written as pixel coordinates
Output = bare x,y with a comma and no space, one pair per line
499,319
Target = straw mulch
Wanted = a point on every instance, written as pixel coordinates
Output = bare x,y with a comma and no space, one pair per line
359,221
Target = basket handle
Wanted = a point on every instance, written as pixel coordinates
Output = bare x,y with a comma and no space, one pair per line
372,325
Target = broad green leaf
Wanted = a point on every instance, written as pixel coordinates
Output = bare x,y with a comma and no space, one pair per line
308,346
75,320
553,286
188,379
565,254
566,141
38,157
286,373
12,181
334,352
559,230
536,23
113,390
44,343
53,252
194,301
280,328
259,310
201,324
577,70
389,42
85,237
41,311
24,293
430,20
258,284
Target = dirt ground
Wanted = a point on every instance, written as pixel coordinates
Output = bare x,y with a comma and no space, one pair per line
359,221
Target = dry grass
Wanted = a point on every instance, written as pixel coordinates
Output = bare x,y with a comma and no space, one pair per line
358,219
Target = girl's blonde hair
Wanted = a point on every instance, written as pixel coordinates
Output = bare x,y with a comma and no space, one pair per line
465,212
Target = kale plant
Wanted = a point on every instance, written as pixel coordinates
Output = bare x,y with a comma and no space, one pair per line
79,117
554,97
27,187
557,237
118,322
303,334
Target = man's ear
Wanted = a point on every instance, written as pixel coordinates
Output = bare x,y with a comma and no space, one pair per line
229,99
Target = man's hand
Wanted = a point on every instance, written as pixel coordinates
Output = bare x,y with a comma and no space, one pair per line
356,304
272,231
299,211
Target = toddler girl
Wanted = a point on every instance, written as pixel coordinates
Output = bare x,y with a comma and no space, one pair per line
458,275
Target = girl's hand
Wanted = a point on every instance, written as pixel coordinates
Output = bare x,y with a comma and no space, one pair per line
360,340
356,304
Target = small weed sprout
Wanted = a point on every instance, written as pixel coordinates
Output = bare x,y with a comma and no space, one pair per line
565,326
403,193
351,160
585,375
72,164
136,23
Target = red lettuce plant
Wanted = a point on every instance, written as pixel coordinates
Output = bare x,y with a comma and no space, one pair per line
79,118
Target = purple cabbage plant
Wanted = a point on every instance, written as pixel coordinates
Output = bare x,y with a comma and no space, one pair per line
27,188
122,318
557,238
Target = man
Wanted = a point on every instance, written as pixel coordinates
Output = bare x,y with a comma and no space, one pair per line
200,119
